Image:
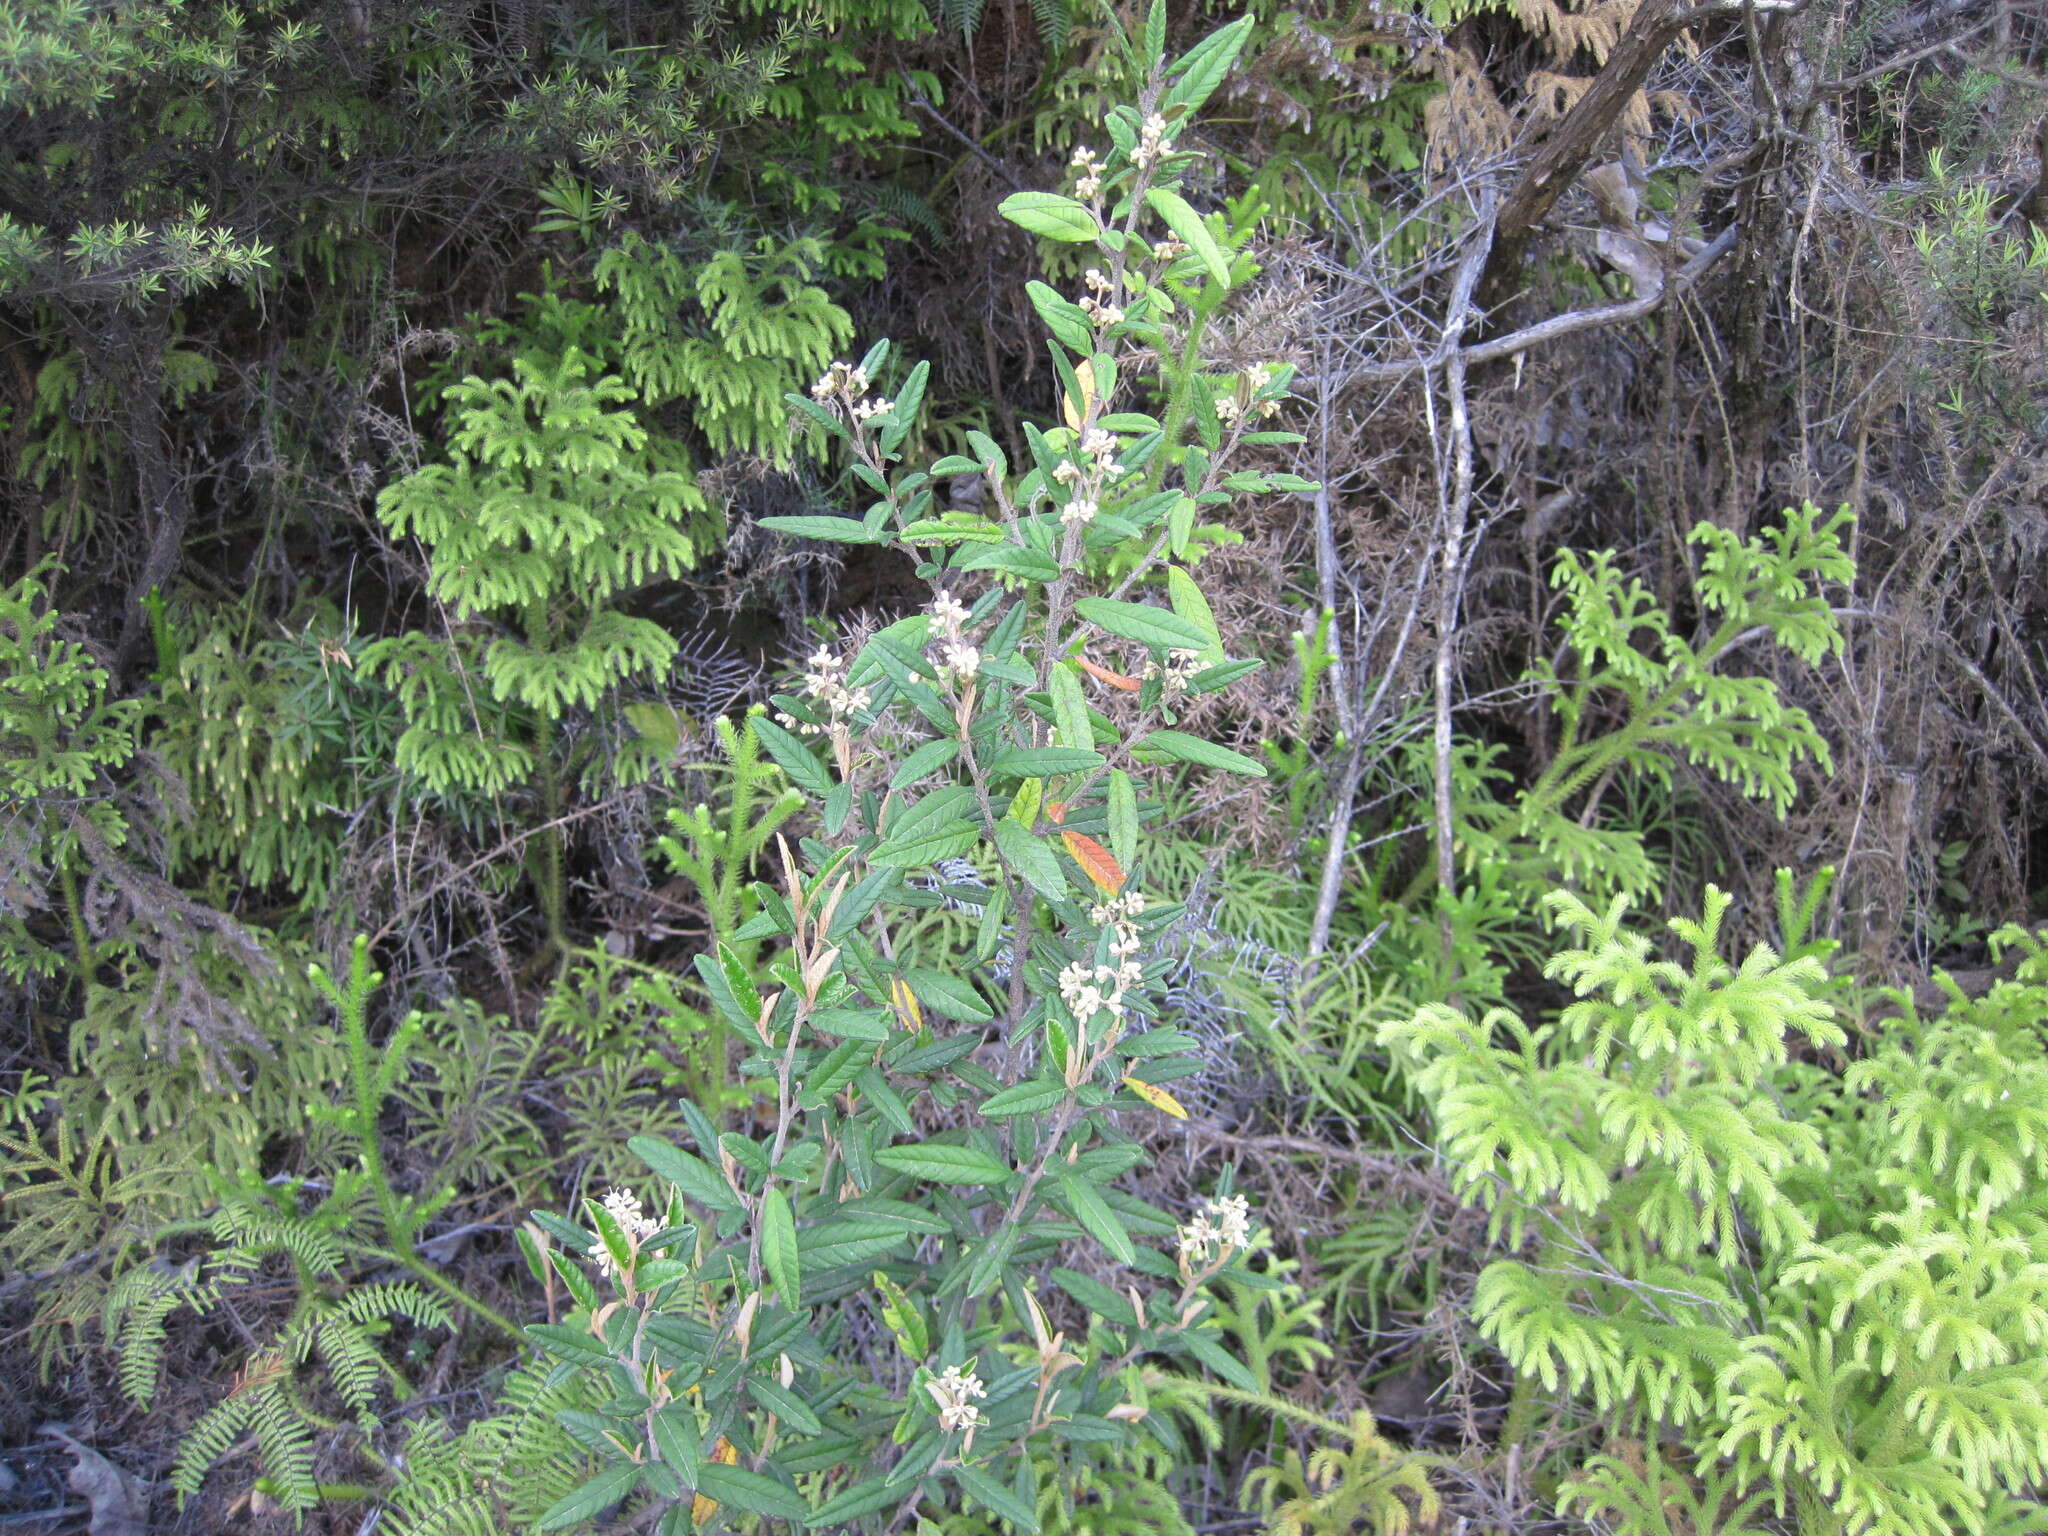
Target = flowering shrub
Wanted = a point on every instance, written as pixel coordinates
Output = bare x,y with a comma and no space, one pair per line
914,1283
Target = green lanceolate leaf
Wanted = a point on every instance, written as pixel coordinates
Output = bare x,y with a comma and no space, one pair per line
1062,316
778,1246
692,1175
1023,1099
1043,762
792,756
677,1441
752,1492
1190,604
927,759
995,1498
1143,623
1123,818
1087,1204
854,1240
593,1498
1030,857
785,1405
943,1163
1070,707
950,996
1183,748
904,1318
842,1509
1049,215
1203,67
936,827
1188,225
830,530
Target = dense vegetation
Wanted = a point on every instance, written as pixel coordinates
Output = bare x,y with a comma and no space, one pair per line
1349,846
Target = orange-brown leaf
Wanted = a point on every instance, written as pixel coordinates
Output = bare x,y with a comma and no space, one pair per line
1096,862
1104,675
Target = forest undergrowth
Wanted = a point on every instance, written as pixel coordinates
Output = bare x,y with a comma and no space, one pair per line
1352,844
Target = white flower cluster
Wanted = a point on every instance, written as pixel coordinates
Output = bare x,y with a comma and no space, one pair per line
1089,181
1153,141
1220,1228
1123,911
624,1207
1091,989
1233,408
954,1391
1097,468
957,661
1173,682
1169,249
1099,311
841,381
824,681
845,384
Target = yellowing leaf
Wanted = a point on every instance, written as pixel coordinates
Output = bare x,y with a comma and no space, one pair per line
905,1002
1157,1097
726,1455
1096,862
1070,413
1025,803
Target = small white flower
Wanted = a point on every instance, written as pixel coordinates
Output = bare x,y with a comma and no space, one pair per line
1089,181
624,1207
1152,138
1097,442
1228,411
954,1391
840,379
1222,1227
948,613
1169,248
823,682
1079,512
1067,472
1233,1217
1096,282
960,662
1102,315
867,410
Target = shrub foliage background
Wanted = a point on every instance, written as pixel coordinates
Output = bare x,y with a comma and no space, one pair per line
1350,847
